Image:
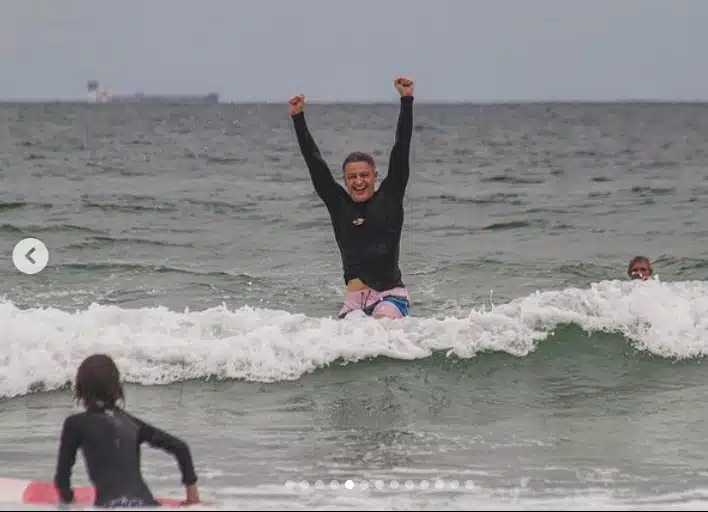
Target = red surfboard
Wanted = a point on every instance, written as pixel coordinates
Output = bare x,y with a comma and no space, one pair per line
39,492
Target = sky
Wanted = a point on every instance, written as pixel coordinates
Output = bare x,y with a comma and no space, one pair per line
347,50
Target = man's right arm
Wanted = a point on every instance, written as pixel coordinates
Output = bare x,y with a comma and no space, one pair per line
325,186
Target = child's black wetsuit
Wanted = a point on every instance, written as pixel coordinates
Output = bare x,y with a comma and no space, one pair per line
110,441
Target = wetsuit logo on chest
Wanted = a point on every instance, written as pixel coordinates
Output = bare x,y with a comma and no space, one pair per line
358,221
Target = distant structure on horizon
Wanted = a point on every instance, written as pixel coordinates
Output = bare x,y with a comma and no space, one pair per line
98,95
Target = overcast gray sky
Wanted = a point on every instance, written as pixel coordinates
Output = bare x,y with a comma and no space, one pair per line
350,50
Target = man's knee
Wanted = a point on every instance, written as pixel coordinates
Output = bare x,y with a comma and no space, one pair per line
386,309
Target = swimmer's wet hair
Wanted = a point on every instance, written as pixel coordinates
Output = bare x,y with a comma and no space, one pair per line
98,382
637,259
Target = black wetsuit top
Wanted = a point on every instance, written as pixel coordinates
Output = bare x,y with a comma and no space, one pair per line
368,233
110,442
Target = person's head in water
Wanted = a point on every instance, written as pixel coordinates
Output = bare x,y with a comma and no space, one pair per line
98,382
359,175
640,268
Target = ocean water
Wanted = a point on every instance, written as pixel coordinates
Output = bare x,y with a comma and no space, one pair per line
187,242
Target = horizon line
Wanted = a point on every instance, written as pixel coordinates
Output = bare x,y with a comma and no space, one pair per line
473,102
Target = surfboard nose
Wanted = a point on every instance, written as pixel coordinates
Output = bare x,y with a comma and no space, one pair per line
36,492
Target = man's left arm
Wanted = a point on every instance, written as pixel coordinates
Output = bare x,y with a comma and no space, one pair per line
399,160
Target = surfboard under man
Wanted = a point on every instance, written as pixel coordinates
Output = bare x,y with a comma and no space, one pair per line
367,221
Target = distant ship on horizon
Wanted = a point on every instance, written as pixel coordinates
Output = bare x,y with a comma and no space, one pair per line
98,95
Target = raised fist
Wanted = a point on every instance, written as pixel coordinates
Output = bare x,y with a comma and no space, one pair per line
296,104
404,86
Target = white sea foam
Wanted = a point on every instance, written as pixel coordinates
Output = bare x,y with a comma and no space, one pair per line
156,345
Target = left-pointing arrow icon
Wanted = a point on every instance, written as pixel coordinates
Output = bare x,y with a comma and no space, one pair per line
30,256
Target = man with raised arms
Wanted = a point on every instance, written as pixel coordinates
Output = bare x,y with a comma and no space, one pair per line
367,221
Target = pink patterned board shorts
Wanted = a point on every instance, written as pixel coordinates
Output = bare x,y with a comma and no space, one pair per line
392,303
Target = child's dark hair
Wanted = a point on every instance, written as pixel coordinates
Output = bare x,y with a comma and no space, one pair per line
98,382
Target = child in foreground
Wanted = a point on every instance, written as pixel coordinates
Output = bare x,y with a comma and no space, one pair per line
110,440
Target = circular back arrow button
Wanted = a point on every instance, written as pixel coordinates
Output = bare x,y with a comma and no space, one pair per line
30,256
